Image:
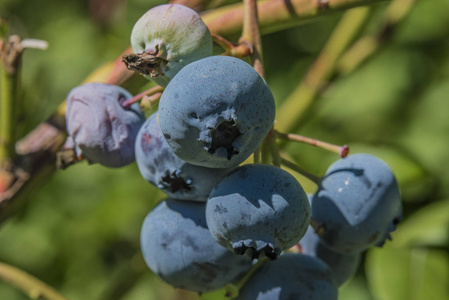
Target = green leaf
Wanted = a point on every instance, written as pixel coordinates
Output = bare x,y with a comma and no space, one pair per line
408,273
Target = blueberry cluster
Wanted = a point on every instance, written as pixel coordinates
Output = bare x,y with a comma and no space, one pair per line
222,215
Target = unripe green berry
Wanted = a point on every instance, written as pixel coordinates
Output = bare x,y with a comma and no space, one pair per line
165,39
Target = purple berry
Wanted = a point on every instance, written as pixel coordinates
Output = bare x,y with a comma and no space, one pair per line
102,130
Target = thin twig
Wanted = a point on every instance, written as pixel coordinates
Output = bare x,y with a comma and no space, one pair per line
318,227
342,151
298,169
231,49
30,285
138,97
34,44
251,35
256,156
275,15
232,290
148,102
10,56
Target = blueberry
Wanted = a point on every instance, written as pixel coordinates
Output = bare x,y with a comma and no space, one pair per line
358,201
161,167
291,276
100,128
343,266
165,39
178,247
258,210
216,111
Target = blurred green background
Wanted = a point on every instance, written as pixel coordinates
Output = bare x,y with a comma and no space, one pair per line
79,232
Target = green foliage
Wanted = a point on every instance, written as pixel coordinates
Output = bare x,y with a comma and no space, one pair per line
80,231
416,265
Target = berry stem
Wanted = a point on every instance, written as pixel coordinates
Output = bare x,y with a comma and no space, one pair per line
342,151
256,155
318,227
231,49
300,170
150,92
66,158
148,102
251,35
30,285
232,289
274,151
265,154
272,147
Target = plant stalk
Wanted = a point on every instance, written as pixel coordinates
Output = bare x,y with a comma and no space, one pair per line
11,53
33,287
297,107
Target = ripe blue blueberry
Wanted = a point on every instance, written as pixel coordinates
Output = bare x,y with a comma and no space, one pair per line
102,130
161,167
343,266
358,202
291,276
165,39
216,111
258,210
178,247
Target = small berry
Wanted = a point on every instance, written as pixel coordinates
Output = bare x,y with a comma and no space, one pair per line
102,130
165,39
178,247
359,203
291,276
162,168
343,265
258,210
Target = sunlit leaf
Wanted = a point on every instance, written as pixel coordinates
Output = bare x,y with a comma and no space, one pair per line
408,273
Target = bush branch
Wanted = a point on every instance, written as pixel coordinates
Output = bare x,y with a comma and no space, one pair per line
275,15
33,287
